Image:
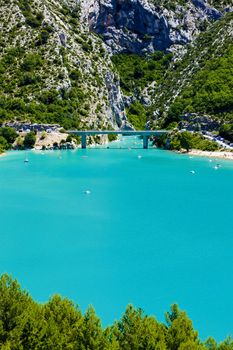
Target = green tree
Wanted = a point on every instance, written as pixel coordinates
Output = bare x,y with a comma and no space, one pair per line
180,331
3,143
186,140
29,140
14,307
226,344
9,134
64,325
211,344
226,131
136,331
93,336
31,62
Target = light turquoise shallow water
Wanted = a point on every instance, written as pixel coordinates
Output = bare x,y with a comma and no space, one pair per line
149,233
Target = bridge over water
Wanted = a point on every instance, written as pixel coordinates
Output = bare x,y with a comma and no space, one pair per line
146,134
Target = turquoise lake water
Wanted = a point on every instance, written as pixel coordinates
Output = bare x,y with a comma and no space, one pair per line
149,232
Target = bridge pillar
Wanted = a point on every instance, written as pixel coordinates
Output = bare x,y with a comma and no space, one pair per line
84,141
145,141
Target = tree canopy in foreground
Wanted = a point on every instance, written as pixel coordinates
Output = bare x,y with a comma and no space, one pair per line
59,324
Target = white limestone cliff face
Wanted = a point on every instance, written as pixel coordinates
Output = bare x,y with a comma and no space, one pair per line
139,26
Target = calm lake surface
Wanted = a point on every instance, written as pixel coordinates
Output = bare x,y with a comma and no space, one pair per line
149,232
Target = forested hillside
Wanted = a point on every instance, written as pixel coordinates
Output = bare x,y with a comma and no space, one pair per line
59,324
163,87
55,61
52,69
106,65
202,80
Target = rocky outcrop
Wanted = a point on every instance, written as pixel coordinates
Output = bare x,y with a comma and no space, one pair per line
117,113
139,26
129,26
196,122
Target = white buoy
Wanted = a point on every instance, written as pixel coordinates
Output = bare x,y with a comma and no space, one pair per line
139,157
192,172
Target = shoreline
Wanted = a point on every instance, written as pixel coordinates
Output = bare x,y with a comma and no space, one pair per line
208,154
225,155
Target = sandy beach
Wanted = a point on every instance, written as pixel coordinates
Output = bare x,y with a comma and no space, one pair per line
228,155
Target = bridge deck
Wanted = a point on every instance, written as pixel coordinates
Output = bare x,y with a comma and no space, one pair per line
145,133
119,132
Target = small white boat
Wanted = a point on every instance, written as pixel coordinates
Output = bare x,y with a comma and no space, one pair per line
139,157
26,159
192,172
87,192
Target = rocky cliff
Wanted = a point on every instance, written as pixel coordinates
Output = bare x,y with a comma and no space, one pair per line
140,26
56,57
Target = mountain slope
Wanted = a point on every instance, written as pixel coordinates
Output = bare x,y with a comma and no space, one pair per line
202,80
52,69
60,61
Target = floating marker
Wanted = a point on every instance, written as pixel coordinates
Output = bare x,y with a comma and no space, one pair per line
192,172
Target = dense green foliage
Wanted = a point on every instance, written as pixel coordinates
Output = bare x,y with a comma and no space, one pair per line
211,89
171,4
201,81
59,324
7,138
136,72
51,70
48,106
43,81
9,134
29,140
112,137
136,114
187,141
226,131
